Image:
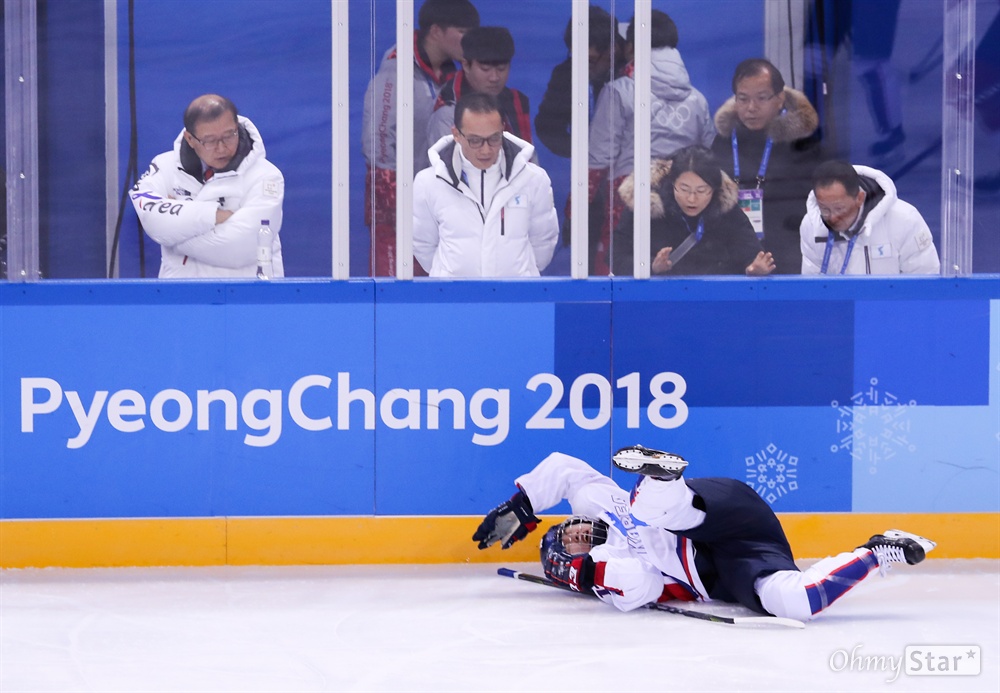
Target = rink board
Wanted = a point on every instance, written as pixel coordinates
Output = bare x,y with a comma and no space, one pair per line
382,540
196,413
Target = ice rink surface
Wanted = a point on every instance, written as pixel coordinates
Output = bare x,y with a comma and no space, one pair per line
463,628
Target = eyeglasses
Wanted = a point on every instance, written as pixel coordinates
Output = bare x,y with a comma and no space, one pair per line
700,191
213,142
760,99
476,142
837,211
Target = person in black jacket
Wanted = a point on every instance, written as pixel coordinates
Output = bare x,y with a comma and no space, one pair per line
766,143
606,55
552,124
696,226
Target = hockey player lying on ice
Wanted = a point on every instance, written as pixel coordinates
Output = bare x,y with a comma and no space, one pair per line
698,539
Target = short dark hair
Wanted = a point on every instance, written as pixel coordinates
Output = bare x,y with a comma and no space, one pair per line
488,44
476,102
446,13
837,171
602,34
751,67
208,107
663,32
698,161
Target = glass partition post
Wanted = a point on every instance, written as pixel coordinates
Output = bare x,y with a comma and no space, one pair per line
340,164
784,38
579,143
404,133
110,135
643,50
957,134
21,84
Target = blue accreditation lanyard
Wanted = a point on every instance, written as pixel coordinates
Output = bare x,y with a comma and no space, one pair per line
700,231
763,162
689,242
829,249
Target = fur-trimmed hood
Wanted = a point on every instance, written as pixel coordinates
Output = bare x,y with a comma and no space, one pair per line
798,120
725,200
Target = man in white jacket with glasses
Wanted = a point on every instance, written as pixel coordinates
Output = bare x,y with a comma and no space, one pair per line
483,209
205,200
855,224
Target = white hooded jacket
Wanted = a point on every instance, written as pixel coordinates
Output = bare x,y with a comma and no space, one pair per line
177,210
508,227
893,238
680,116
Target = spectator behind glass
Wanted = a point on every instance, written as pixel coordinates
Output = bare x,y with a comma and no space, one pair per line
605,55
692,202
555,112
766,144
487,52
483,209
204,200
680,118
436,47
856,224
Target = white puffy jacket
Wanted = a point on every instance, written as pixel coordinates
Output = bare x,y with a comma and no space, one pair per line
177,210
893,239
512,234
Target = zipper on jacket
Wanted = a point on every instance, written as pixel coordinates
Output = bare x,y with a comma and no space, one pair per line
479,209
502,210
868,262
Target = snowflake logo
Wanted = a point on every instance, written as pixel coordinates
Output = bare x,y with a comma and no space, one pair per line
874,426
772,473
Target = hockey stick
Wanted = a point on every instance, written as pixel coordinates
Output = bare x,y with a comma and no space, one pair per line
655,606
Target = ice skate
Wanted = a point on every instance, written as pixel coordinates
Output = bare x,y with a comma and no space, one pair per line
897,546
665,466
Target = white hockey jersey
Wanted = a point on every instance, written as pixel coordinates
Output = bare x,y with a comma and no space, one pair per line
641,562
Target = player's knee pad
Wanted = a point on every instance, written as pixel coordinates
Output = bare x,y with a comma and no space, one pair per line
784,594
666,504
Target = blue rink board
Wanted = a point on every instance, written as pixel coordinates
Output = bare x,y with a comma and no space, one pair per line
826,397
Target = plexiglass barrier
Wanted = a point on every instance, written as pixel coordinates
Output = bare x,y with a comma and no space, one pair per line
94,91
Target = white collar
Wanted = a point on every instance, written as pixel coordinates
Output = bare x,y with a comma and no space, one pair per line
469,169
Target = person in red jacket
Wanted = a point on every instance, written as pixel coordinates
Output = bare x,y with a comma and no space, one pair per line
487,53
437,45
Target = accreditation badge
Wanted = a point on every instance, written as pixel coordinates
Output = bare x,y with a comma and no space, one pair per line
752,204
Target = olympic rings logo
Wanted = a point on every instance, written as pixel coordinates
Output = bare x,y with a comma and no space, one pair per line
672,117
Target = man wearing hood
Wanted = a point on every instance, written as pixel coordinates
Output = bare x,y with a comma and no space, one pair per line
855,224
483,209
204,201
766,144
680,118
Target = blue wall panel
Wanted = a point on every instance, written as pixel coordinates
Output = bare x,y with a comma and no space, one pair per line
742,353
932,351
267,465
486,340
331,392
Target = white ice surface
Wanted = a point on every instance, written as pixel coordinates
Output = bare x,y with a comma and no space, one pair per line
460,628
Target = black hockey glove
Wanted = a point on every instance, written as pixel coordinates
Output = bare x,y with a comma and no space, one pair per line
508,522
576,572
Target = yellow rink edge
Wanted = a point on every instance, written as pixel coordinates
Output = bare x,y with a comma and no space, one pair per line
208,541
